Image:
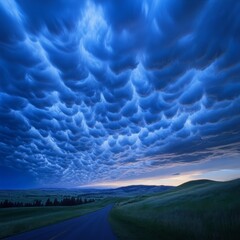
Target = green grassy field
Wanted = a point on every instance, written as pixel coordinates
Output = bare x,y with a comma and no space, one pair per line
17,220
195,210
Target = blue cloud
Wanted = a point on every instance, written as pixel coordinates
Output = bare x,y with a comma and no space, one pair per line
92,89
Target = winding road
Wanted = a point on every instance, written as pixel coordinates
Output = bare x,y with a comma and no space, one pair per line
92,226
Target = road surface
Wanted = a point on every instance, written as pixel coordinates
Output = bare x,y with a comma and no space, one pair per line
92,226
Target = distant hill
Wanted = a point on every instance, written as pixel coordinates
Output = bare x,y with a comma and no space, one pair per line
141,189
196,183
128,191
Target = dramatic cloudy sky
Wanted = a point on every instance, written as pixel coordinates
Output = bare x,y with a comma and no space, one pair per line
105,92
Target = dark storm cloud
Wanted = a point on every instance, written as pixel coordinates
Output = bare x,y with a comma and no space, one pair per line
94,90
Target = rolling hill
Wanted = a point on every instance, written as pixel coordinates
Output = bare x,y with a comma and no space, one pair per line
199,209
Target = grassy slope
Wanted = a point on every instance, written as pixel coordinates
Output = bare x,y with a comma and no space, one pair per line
17,220
195,210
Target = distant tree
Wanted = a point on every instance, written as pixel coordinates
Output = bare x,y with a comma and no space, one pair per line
48,202
56,202
73,201
37,203
28,205
66,201
79,201
7,204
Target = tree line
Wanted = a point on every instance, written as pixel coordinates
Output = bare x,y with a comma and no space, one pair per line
69,201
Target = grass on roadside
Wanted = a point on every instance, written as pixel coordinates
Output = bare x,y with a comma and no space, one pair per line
17,220
195,210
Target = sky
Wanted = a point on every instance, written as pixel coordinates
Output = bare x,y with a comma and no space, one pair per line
112,93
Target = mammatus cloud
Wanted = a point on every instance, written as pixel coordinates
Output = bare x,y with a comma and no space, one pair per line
97,90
